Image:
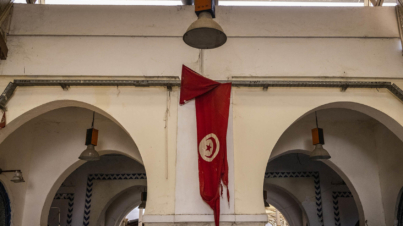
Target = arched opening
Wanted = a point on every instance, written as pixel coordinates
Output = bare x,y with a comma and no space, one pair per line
48,155
365,148
275,217
132,218
122,205
284,207
98,193
320,195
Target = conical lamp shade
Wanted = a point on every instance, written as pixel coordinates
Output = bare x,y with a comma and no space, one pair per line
319,153
205,33
90,154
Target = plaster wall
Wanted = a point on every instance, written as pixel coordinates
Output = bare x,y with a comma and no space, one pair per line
390,171
17,155
262,41
67,42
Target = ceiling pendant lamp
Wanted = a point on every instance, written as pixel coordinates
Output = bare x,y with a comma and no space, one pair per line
319,153
90,154
205,33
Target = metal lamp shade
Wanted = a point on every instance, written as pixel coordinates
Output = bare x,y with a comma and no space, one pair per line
17,178
90,154
205,33
319,153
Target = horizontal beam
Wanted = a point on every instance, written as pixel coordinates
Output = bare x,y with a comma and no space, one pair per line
236,83
265,84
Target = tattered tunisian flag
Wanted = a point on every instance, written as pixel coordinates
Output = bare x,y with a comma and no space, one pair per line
212,110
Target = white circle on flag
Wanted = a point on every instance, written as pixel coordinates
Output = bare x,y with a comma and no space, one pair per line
207,149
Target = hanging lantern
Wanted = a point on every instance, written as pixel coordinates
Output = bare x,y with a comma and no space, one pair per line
319,153
90,154
205,33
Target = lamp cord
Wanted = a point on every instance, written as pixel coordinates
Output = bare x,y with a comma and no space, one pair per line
316,116
93,119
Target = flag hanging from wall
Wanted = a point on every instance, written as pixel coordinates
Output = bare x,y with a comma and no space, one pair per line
212,111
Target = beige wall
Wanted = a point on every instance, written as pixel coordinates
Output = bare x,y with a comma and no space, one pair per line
390,169
64,42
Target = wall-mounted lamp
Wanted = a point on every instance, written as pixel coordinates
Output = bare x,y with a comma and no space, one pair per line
318,140
17,178
266,204
90,154
205,33
143,200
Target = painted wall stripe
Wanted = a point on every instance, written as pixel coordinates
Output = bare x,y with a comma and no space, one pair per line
100,176
336,195
316,179
70,197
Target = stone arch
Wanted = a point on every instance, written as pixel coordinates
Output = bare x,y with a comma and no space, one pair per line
61,178
121,205
47,107
289,211
336,169
26,117
138,110
394,126
377,114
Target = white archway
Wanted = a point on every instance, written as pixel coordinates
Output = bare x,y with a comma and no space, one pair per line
52,145
366,191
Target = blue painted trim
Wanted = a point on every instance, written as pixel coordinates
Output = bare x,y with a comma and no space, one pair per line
336,195
70,197
316,179
92,177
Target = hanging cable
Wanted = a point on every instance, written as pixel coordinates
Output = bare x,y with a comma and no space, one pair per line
93,119
316,116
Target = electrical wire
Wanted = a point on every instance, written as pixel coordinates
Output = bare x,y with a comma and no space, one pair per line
93,119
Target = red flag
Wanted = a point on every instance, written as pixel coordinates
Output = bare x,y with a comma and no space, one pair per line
212,111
